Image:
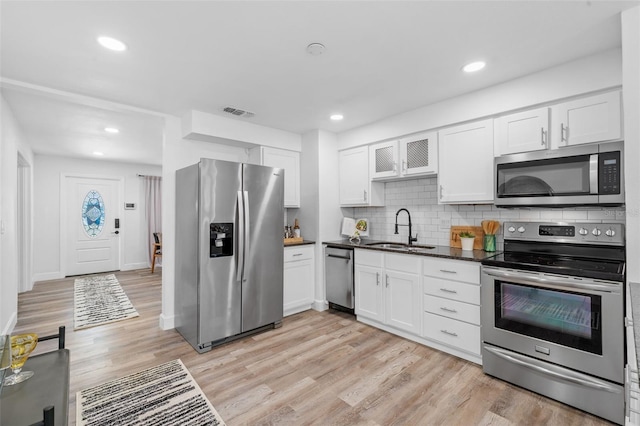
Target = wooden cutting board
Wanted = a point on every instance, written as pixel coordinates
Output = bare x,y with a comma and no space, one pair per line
454,240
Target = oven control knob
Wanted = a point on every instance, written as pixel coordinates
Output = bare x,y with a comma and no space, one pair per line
610,232
521,229
511,229
596,232
583,231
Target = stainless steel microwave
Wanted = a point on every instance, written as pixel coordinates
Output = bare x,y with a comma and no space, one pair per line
575,176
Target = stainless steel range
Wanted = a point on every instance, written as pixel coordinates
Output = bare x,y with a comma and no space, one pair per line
552,313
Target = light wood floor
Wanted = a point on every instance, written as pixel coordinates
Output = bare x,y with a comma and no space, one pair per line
319,368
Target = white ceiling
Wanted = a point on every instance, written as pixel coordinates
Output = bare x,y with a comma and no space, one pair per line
382,58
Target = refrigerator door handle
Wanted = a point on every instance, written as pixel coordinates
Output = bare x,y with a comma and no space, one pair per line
247,233
241,233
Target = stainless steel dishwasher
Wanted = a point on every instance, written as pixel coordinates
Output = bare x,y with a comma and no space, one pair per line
338,278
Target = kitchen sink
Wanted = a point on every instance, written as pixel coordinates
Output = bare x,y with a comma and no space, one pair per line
389,245
400,246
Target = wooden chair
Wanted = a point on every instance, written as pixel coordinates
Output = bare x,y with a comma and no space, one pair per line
156,249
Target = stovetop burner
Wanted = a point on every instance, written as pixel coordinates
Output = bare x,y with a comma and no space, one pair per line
589,268
564,249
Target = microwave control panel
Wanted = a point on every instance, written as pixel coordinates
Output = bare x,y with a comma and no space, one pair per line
609,173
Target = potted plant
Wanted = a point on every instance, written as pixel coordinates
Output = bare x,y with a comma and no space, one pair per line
467,239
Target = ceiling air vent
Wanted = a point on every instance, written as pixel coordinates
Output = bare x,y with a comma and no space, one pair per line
238,112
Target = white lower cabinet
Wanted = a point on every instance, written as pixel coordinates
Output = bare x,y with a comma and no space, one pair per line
432,301
452,305
299,278
388,289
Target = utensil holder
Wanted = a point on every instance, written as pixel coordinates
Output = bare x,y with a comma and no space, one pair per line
489,243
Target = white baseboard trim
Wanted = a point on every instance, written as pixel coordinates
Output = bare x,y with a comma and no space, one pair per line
167,322
45,276
134,266
320,305
11,324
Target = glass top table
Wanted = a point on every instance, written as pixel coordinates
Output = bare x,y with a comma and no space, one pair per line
22,404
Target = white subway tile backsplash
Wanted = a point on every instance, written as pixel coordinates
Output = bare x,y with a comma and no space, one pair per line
419,196
576,215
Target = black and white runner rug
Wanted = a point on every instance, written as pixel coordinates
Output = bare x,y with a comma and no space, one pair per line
162,395
100,300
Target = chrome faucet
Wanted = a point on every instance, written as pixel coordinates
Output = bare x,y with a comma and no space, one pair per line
411,238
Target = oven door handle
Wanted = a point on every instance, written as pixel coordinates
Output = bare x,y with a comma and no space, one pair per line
565,374
559,283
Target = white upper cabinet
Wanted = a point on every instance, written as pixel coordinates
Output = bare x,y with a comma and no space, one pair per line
465,159
356,188
592,119
522,132
384,160
283,159
410,156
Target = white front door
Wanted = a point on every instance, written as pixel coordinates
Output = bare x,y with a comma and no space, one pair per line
91,211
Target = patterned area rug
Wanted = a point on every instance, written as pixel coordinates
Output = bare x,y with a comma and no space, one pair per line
162,395
100,300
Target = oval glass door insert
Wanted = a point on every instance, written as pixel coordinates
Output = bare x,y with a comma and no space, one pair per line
93,213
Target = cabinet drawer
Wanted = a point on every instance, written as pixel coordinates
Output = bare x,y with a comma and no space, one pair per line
459,270
451,332
403,263
452,309
298,253
369,258
462,292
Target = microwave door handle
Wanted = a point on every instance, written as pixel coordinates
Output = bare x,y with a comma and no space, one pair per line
593,173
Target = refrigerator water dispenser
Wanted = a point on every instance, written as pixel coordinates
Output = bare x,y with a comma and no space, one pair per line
220,239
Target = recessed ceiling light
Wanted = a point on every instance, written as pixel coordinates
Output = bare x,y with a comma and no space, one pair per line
98,153
112,43
336,117
474,66
111,130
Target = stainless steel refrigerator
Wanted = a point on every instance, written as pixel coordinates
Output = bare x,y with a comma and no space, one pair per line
229,251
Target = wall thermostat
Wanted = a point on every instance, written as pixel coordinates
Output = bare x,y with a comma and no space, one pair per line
129,206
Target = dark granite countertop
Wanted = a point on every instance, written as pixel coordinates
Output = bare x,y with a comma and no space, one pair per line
438,251
303,243
634,290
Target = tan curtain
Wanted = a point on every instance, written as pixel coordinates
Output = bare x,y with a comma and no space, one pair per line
153,210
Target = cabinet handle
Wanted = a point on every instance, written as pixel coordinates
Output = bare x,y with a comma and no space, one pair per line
448,310
377,278
450,333
387,280
395,167
446,290
441,191
404,166
543,136
446,271
564,133
297,254
365,195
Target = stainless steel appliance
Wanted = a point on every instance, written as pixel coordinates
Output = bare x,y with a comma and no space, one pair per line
338,267
229,251
552,313
578,175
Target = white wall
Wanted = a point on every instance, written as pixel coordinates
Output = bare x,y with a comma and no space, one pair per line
198,125
319,214
584,75
176,154
47,172
12,143
631,104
